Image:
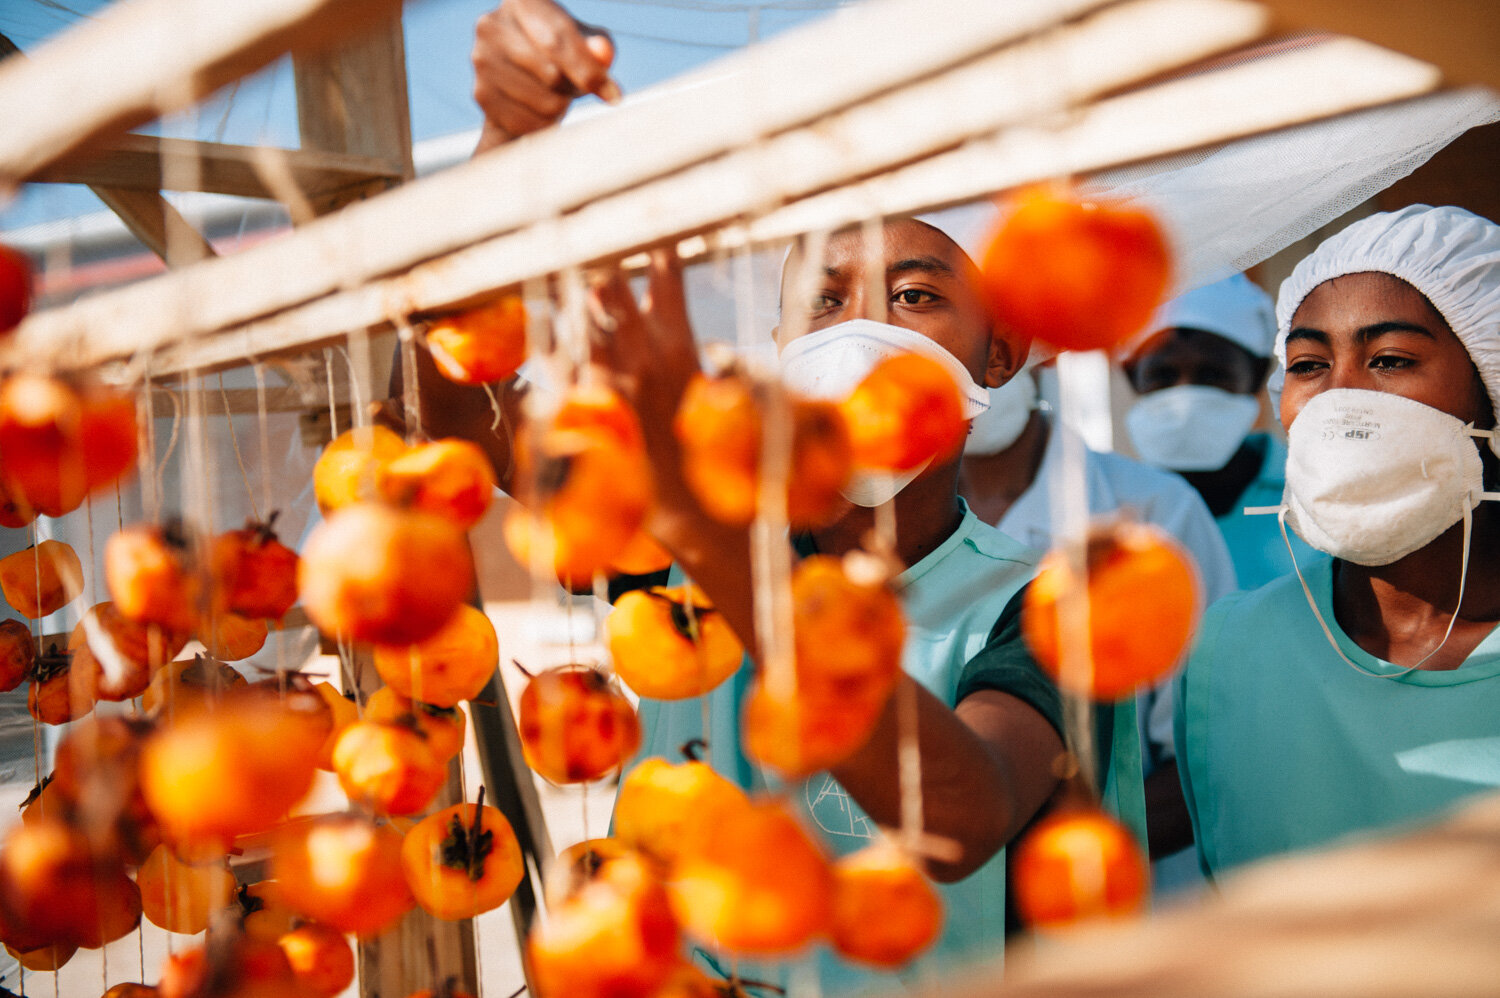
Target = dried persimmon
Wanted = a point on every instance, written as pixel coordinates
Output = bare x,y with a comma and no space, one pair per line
388,767
670,644
480,345
342,870
41,579
885,911
451,666
182,897
1076,865
462,861
348,470
450,478
321,959
575,725
907,411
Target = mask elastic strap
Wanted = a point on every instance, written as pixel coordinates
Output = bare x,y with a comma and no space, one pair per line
1280,512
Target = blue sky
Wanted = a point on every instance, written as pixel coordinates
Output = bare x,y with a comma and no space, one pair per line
656,39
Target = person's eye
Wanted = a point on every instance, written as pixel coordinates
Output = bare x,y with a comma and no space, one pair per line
1391,362
823,302
913,296
1305,366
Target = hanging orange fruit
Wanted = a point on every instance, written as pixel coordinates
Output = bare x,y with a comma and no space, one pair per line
753,882
641,555
462,861
96,780
229,965
885,911
615,937
46,958
229,637
665,650
55,889
719,424
447,668
443,727
182,897
60,441
388,767
15,287
660,806
150,571
180,687
255,575
1078,274
51,696
135,650
370,573
321,959
449,478
342,712
348,470
342,870
575,725
480,345
906,411
17,654
42,579
1142,606
1076,865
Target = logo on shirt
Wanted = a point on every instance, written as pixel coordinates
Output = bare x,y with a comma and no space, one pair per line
833,811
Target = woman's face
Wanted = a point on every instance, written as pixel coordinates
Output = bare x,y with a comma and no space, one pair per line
1376,332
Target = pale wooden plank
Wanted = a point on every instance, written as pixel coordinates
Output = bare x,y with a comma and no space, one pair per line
1124,43
159,226
160,56
134,162
1410,916
792,79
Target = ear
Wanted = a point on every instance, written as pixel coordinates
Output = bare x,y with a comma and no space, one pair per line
1007,355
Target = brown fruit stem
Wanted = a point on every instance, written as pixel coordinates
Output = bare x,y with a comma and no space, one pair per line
466,849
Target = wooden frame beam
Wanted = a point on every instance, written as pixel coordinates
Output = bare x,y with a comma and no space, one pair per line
162,56
134,162
559,171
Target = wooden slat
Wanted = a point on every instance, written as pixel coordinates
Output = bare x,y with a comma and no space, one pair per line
1292,87
134,162
138,59
1460,37
1414,916
159,226
1122,44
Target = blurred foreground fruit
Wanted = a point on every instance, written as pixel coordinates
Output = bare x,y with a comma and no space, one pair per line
451,666
63,440
342,870
1080,275
15,288
480,345
670,644
348,470
906,412
885,911
321,959
1142,608
182,897
661,806
388,767
370,573
1078,865
448,478
151,574
255,575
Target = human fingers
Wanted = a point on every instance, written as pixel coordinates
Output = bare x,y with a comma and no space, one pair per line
564,54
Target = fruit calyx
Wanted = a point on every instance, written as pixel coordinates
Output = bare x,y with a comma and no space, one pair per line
466,849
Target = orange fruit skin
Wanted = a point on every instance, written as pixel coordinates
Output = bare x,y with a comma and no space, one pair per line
447,668
641,555
15,511
818,726
40,437
450,478
149,579
96,778
1078,865
614,938
182,897
906,411
575,726
342,870
320,957
372,574
41,580
755,883
181,686
127,989
214,774
885,912
653,655
141,648
15,288
255,575
17,653
719,423
236,967
230,637
451,893
387,767
660,806
55,890
844,628
348,470
46,958
342,712
480,345
108,435
55,700
444,727
1142,610
269,917
1076,274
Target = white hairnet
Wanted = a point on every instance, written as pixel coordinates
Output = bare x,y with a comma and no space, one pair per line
1234,308
1450,255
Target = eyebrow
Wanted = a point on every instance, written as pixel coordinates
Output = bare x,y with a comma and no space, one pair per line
1363,335
917,264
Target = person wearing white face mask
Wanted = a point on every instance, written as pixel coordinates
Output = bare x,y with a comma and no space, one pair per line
1198,373
1008,475
1363,690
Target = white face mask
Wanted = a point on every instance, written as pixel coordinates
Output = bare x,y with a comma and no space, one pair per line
1372,477
1001,425
1190,427
830,364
